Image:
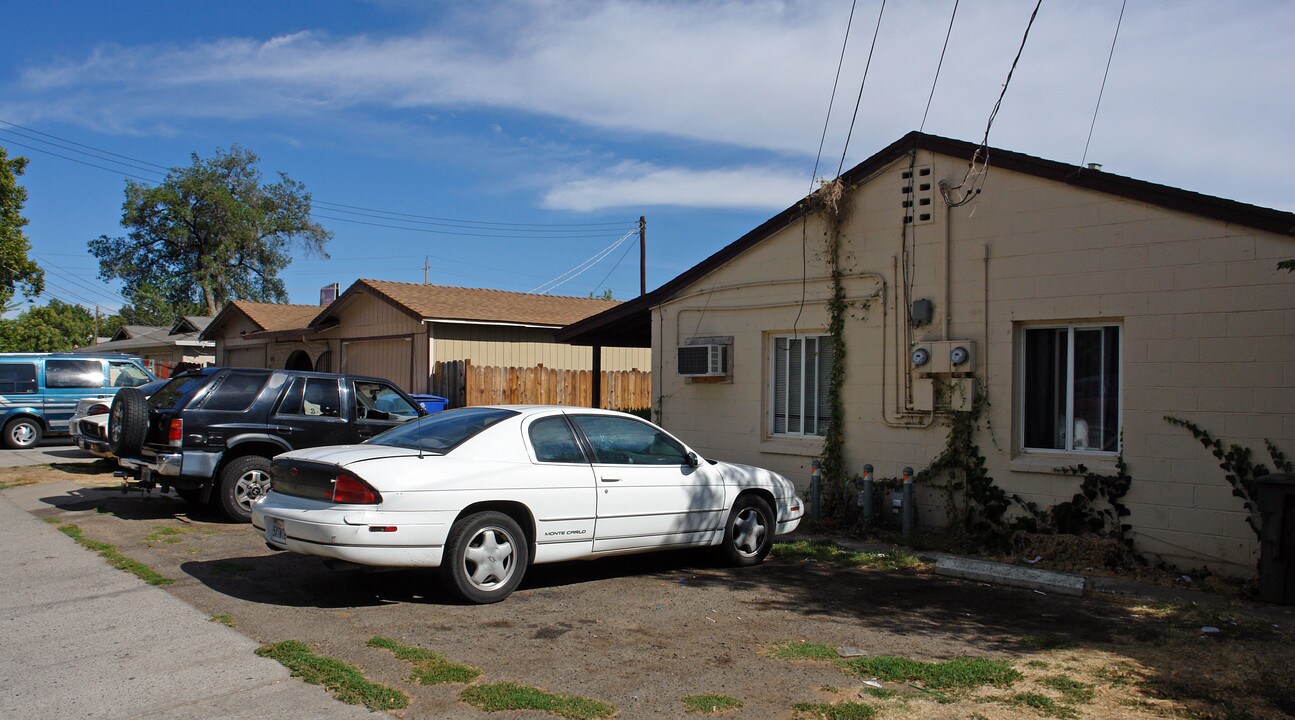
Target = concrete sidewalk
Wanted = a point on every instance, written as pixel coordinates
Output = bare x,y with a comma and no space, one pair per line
81,639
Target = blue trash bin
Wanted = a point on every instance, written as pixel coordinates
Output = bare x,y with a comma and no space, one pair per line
431,403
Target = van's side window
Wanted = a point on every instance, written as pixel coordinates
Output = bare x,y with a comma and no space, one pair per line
73,373
17,378
125,374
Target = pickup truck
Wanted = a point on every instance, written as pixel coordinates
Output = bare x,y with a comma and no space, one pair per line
209,434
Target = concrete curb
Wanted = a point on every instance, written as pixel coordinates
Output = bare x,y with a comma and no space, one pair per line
1012,575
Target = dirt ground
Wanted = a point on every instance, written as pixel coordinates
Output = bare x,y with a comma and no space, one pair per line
642,632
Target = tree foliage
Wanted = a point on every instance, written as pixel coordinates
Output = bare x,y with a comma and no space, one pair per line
55,327
16,269
211,232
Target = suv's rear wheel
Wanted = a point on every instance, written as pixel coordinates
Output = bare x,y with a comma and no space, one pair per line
21,433
127,422
242,481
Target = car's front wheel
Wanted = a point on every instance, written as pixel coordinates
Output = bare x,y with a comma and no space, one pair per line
241,482
748,535
485,557
22,433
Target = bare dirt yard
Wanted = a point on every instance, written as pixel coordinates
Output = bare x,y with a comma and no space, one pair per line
645,635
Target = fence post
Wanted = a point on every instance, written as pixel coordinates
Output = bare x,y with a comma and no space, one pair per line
865,498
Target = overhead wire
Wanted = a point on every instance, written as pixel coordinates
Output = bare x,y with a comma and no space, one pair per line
845,148
947,34
578,270
1102,91
975,177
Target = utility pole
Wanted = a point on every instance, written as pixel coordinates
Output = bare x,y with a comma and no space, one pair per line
95,339
427,265
642,255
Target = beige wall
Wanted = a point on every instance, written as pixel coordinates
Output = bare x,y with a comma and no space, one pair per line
1208,326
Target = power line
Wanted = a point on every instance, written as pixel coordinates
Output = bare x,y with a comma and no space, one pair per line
461,234
468,222
938,66
582,267
832,100
975,178
862,82
1100,92
97,152
81,162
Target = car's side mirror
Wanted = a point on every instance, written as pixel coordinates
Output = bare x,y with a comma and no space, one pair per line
693,460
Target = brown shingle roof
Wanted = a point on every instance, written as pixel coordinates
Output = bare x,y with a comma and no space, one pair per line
481,305
273,316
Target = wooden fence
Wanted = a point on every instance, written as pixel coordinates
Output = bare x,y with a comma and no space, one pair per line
463,383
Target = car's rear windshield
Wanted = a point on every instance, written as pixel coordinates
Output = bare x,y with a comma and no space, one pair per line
444,431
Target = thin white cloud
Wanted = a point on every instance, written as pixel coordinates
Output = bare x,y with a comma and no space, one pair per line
637,185
1194,85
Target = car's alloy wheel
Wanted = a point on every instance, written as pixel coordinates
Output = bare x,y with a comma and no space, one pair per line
749,532
241,482
485,557
22,433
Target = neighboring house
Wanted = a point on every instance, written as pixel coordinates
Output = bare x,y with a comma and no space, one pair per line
399,331
162,348
1088,307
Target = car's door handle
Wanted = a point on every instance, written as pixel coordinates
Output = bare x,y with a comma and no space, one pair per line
611,479
284,429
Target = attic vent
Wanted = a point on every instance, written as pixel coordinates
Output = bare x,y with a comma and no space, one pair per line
916,187
703,360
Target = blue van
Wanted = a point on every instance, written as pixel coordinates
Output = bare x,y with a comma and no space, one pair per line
39,391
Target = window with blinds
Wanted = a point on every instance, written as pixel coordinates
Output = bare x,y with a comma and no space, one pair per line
800,384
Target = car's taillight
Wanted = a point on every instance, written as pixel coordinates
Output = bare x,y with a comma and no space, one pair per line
175,433
348,489
98,410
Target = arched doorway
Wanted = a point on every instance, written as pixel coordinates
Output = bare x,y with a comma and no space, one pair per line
299,360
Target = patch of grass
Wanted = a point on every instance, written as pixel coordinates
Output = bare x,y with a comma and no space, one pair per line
1043,705
799,650
710,703
1045,642
52,520
962,672
114,558
6,484
1117,675
1072,690
166,534
430,668
880,693
833,711
342,679
499,697
1040,664
226,620
831,553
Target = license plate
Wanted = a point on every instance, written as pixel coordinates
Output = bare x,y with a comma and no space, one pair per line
276,532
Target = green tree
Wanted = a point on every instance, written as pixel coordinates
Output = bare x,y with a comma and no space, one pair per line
151,307
55,327
211,232
16,269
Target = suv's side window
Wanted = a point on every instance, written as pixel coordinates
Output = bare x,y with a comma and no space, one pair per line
379,401
236,392
314,397
73,373
17,378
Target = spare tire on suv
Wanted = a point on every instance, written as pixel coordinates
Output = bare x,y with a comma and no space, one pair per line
127,422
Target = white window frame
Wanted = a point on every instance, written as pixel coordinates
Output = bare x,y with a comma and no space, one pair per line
806,362
1069,420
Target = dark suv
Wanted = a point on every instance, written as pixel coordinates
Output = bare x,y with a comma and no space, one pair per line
210,433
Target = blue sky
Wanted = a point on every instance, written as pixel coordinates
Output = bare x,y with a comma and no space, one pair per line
549,127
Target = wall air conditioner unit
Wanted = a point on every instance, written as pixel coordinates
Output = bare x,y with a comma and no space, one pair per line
702,360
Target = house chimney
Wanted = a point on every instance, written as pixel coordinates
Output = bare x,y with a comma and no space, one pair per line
327,295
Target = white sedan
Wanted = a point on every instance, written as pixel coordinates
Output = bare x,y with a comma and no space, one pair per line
484,492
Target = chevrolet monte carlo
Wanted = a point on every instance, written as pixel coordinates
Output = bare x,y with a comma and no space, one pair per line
484,492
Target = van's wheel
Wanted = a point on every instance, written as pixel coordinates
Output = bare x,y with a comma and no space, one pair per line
22,433
241,482
485,557
748,534
127,422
